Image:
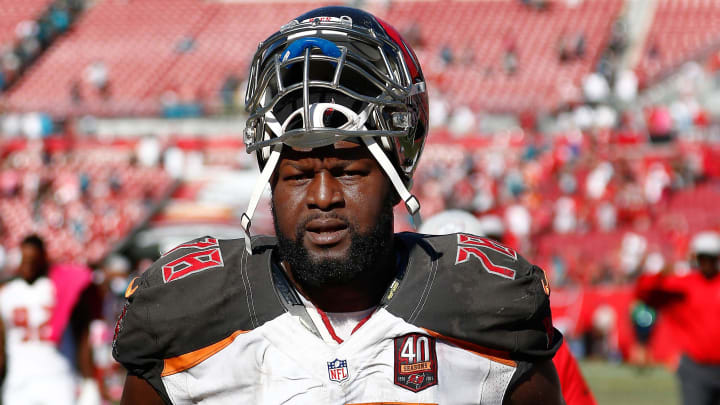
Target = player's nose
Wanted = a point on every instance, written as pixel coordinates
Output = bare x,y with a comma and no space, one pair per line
325,192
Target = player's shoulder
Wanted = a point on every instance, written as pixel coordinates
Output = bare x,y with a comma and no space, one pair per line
476,290
459,255
195,295
202,263
17,285
7,283
205,256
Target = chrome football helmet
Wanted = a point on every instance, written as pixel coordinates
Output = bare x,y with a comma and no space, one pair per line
332,74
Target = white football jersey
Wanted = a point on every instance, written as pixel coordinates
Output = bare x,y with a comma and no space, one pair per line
34,363
284,362
460,324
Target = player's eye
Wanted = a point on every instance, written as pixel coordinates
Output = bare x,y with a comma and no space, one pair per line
347,173
297,175
353,173
301,176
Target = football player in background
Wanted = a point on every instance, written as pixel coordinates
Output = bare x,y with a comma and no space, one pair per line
575,390
338,309
44,317
691,301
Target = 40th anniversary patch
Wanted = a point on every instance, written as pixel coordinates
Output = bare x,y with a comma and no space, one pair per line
415,362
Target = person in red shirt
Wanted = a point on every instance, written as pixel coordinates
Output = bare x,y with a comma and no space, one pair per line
691,301
574,388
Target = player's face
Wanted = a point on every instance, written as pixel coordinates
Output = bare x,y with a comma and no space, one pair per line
331,207
31,263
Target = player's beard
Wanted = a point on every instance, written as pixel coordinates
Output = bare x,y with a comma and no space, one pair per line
365,252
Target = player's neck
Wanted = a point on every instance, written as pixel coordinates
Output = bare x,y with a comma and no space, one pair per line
362,293
32,279
710,275
31,275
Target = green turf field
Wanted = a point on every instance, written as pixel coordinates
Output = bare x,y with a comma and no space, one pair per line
617,384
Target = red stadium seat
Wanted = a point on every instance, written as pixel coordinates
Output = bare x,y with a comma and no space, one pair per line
13,12
680,31
220,39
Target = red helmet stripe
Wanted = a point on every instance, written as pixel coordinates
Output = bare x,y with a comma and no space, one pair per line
408,54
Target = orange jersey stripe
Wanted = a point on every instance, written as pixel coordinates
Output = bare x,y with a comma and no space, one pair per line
185,361
498,356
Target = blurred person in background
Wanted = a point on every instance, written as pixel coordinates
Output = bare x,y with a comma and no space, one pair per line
96,74
575,390
644,317
691,301
44,319
111,280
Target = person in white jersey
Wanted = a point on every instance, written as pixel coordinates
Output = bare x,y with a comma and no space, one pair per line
337,309
38,314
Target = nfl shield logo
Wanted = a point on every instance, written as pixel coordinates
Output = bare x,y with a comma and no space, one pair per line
337,370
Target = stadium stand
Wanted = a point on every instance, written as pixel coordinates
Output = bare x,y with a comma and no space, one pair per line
28,29
14,12
143,74
682,30
16,30
577,223
486,31
82,198
154,51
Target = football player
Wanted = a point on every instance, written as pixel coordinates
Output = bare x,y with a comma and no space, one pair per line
43,310
338,309
690,303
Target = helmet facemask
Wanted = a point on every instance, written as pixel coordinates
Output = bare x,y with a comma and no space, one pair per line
313,84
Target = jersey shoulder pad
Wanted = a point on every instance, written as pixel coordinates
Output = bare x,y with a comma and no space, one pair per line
475,290
195,295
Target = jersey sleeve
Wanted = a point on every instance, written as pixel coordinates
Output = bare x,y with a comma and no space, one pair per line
194,296
474,290
660,289
516,317
166,306
135,342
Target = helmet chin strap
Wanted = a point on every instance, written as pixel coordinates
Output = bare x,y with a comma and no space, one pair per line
317,112
262,182
411,203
